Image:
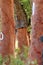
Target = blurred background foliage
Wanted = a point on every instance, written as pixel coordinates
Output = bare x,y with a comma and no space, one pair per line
27,6
27,9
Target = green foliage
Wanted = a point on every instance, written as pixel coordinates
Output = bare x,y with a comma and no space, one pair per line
29,28
21,56
34,62
18,60
21,59
1,60
27,7
25,52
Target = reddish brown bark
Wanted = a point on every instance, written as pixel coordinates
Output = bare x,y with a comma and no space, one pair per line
7,44
21,24
22,37
37,32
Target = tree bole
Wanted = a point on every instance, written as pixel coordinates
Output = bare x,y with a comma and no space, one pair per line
7,44
37,32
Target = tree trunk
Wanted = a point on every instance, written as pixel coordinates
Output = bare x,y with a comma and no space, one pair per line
7,13
21,15
37,32
21,25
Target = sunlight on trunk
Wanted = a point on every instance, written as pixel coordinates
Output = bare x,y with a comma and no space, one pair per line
16,45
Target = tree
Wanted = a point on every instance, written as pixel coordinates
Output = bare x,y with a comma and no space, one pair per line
21,15
7,44
37,32
21,23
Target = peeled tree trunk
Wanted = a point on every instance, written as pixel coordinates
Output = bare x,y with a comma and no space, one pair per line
37,32
7,30
21,25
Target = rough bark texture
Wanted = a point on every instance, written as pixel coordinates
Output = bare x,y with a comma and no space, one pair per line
20,14
7,44
37,32
21,25
23,37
